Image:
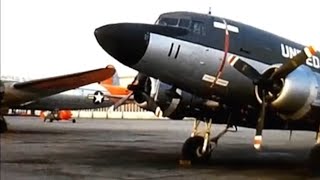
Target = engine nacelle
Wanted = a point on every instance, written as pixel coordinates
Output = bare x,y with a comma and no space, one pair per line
143,96
177,104
159,97
299,91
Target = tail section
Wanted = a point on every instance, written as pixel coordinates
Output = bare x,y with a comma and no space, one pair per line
113,86
113,80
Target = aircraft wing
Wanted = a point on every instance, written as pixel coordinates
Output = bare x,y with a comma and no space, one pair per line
24,92
53,85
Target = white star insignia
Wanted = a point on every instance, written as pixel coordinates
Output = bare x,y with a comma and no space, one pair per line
98,97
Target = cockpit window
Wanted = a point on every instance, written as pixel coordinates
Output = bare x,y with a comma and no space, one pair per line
168,21
184,23
198,28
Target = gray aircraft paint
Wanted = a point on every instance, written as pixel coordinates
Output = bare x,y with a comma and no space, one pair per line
189,60
194,62
63,101
16,96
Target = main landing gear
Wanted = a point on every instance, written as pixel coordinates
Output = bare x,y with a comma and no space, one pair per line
314,156
199,146
3,124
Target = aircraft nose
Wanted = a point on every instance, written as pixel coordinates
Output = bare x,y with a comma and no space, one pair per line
126,42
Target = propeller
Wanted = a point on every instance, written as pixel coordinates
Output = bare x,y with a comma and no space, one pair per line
140,87
137,85
122,100
268,83
294,63
260,123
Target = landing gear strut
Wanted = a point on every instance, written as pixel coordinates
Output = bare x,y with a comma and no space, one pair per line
3,124
199,146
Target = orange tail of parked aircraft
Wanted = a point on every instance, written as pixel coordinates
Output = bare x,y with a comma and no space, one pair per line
112,85
116,91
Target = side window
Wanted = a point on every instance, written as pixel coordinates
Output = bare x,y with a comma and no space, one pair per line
184,23
198,28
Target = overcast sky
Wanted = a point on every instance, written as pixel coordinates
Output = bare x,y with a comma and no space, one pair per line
41,38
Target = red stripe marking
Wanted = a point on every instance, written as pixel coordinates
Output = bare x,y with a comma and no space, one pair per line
232,59
312,50
226,50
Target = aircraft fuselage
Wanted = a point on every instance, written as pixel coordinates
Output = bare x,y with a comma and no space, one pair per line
187,51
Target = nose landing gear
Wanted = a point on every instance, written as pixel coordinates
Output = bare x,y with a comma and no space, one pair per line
198,148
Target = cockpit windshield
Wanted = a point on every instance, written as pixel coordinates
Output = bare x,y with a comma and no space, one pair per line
166,21
196,27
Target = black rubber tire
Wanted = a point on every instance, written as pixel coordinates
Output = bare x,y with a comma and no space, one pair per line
314,160
3,125
51,120
191,150
73,121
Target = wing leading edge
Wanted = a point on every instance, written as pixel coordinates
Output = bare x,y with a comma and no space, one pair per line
53,85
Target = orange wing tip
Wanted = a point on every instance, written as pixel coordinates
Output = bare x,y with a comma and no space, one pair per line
257,142
312,50
110,66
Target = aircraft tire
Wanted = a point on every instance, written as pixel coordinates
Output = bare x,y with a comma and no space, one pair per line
191,150
51,120
73,121
314,160
3,125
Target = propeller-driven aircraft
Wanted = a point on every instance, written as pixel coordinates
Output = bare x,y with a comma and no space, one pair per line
14,94
60,105
218,71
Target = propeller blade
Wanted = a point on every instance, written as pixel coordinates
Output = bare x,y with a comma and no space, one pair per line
244,68
260,123
136,85
121,101
294,63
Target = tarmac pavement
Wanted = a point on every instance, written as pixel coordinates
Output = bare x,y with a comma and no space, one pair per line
143,149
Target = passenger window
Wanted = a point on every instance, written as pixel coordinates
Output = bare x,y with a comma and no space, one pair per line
168,21
198,28
184,23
